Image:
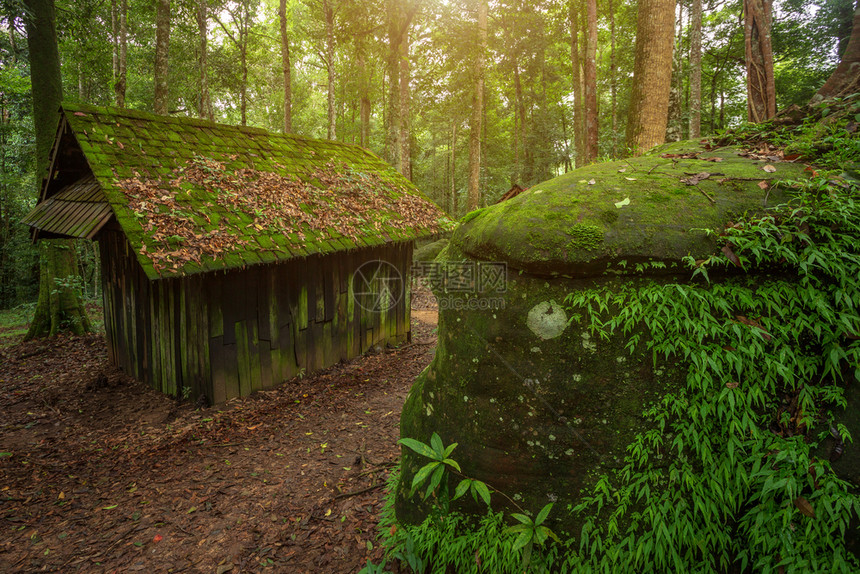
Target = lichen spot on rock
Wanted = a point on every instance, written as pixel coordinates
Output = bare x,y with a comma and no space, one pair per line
547,320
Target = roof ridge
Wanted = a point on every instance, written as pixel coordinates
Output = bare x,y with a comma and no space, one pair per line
69,106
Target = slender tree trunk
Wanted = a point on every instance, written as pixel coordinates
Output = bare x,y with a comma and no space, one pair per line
81,92
114,28
364,93
392,140
578,104
518,126
59,306
288,69
652,75
696,69
591,125
454,206
477,110
405,121
845,79
329,56
613,80
673,126
244,32
205,105
162,42
567,163
13,43
713,123
119,16
761,91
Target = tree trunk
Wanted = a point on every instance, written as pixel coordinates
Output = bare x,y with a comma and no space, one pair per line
845,79
761,91
288,69
652,75
405,166
162,42
120,82
613,80
567,163
591,125
392,132
477,110
578,106
59,306
519,127
244,22
364,93
673,124
114,28
453,146
696,69
329,56
205,103
13,43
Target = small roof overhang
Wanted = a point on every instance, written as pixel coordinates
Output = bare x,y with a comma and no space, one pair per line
77,210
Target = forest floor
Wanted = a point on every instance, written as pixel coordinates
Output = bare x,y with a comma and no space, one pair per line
99,473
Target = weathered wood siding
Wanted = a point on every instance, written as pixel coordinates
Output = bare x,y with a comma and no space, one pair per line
229,334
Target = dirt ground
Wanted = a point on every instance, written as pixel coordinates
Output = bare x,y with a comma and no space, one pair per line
99,473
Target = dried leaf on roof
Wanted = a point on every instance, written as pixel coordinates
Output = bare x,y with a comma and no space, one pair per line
332,202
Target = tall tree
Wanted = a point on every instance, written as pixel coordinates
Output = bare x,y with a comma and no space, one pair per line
328,12
288,68
405,166
673,123
205,103
761,88
652,75
577,76
119,16
240,13
399,19
845,79
396,29
591,126
453,163
696,69
59,306
613,79
474,197
363,91
162,44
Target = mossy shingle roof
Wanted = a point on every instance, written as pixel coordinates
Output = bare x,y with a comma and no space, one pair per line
195,196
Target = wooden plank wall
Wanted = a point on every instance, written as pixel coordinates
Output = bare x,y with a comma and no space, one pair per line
230,334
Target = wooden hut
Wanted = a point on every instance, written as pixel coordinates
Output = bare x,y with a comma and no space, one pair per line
233,258
514,191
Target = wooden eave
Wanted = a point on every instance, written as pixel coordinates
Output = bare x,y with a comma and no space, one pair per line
77,210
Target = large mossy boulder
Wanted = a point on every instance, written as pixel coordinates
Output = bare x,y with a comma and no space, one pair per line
539,407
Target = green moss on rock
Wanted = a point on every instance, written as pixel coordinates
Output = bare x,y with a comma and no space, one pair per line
637,209
538,406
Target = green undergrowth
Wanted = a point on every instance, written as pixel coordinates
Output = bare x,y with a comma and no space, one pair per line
729,478
14,323
454,542
828,136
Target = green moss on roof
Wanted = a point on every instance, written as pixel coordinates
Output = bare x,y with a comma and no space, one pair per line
195,196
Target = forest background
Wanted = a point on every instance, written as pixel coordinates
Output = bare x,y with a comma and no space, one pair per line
467,98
